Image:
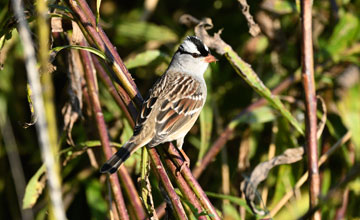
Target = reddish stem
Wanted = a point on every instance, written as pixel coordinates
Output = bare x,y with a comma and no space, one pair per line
307,62
191,180
132,194
126,105
183,186
164,179
87,18
100,124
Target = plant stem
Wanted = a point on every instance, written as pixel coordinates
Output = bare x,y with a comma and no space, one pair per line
164,178
182,184
127,107
307,62
45,137
101,126
98,37
193,183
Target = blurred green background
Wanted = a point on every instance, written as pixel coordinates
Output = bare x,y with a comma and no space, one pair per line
146,36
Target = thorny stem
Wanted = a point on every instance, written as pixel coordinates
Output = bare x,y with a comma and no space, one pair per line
307,62
101,126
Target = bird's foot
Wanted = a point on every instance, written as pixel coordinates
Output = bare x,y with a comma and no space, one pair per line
186,162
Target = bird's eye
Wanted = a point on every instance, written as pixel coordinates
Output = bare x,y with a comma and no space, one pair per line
195,55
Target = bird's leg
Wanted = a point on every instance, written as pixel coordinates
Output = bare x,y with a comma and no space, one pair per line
179,144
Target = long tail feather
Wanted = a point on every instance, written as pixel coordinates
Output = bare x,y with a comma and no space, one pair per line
113,164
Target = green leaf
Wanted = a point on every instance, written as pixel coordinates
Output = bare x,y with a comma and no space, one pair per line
231,212
280,6
349,107
98,3
34,189
144,58
233,199
259,115
247,73
344,34
143,32
206,119
54,51
95,200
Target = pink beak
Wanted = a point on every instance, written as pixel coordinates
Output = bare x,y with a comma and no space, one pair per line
210,58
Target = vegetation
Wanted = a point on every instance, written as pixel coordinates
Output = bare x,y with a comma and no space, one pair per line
251,149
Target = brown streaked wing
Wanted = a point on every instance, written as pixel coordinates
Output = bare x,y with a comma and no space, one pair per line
183,101
149,103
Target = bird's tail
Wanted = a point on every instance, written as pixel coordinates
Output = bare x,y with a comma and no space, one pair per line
113,164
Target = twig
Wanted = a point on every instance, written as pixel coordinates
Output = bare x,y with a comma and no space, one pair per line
100,124
254,28
307,61
42,125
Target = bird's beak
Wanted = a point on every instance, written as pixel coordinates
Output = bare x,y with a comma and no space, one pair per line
210,58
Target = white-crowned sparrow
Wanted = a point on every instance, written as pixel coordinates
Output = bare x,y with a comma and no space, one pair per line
173,105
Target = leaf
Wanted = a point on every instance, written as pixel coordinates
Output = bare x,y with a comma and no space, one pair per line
233,199
98,3
54,51
95,200
194,210
349,107
279,6
344,34
230,212
261,171
34,189
143,31
32,110
206,119
144,58
248,74
259,115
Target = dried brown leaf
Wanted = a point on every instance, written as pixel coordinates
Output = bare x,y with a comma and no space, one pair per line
261,171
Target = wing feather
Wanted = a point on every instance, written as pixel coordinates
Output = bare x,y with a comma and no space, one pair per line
176,100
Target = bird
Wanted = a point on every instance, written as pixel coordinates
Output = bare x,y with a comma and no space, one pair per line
173,105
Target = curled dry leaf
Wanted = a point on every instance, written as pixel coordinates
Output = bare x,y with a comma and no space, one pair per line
72,109
261,171
254,28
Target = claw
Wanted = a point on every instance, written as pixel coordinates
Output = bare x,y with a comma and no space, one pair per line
185,163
